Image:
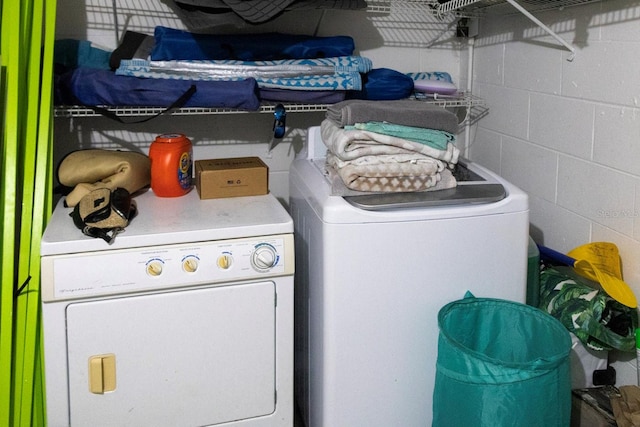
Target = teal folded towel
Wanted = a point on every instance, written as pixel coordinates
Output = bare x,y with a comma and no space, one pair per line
431,137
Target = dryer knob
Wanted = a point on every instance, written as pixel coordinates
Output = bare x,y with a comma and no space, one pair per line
190,264
224,261
154,267
264,257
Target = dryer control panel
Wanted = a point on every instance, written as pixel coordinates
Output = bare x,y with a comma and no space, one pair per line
162,267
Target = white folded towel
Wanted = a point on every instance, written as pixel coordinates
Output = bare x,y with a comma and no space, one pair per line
351,144
391,173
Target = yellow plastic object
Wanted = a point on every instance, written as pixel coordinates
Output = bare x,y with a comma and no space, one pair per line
600,262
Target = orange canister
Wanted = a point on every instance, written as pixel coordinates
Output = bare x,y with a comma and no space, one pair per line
171,165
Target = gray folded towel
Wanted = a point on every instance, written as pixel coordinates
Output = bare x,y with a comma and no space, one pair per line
400,112
258,11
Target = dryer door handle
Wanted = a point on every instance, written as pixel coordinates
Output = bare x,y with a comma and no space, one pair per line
102,373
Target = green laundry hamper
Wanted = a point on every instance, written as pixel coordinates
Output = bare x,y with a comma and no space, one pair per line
501,363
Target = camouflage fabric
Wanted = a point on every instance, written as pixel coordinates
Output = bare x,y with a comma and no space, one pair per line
599,321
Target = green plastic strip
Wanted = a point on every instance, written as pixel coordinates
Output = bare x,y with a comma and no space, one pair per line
23,373
27,37
32,398
9,54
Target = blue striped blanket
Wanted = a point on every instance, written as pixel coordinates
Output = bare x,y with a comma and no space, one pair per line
338,73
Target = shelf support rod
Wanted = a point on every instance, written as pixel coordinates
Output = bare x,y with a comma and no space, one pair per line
549,31
467,119
115,21
457,4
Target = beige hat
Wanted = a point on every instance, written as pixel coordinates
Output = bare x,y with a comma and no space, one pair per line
88,170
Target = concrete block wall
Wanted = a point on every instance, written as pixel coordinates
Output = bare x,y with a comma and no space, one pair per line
568,132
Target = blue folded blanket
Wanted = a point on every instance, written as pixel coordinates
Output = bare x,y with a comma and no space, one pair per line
172,44
94,87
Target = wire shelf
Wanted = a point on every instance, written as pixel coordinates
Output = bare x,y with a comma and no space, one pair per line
379,6
461,100
476,7
132,111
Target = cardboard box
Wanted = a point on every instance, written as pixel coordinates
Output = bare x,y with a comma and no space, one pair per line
232,177
592,407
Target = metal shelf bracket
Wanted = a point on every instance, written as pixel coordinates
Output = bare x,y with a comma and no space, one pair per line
452,5
548,30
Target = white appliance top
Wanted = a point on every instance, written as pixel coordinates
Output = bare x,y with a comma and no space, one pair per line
163,221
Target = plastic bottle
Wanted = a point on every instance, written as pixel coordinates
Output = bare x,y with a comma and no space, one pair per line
171,165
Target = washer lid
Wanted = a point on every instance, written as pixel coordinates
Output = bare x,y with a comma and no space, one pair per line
471,188
171,220
460,195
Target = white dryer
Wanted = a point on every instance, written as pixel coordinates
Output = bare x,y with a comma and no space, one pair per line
371,275
185,320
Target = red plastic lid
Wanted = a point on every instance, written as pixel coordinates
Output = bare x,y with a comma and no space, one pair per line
171,138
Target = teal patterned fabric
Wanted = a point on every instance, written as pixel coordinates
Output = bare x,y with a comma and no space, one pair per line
431,75
599,321
339,73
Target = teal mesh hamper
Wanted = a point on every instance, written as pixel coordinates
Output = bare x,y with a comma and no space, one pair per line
501,363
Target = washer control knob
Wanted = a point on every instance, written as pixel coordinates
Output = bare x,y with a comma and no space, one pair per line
225,261
190,264
264,257
154,267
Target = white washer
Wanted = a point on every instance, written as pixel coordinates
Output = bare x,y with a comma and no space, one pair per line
371,278
186,320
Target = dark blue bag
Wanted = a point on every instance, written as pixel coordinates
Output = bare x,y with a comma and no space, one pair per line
384,84
94,87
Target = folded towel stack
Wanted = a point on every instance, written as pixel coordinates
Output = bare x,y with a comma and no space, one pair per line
391,146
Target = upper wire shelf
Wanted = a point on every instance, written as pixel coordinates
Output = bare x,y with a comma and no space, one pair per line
482,7
379,6
525,7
